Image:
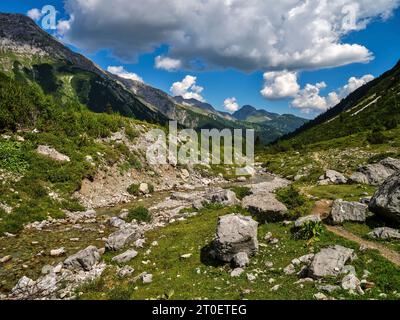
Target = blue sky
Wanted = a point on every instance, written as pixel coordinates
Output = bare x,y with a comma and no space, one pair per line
382,38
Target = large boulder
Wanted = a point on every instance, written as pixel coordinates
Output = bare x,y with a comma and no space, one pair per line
330,261
376,174
83,260
224,197
265,206
235,234
386,201
332,176
348,211
385,234
123,237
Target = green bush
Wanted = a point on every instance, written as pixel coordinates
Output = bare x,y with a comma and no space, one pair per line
297,204
311,231
151,188
291,197
139,214
12,157
377,137
241,192
134,189
131,132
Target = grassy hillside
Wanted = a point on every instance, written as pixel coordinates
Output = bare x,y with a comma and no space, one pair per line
372,109
28,179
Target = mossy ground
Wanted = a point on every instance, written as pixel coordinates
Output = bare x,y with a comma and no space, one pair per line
201,277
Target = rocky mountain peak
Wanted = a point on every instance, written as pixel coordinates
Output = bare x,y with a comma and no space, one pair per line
21,35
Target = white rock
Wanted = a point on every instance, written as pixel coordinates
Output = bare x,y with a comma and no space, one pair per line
52,153
147,278
125,257
237,272
57,252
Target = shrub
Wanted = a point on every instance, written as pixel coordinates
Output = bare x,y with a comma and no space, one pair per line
12,157
377,137
296,203
291,197
139,214
134,189
131,133
241,192
151,188
311,231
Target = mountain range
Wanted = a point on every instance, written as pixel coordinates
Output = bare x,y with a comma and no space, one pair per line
29,54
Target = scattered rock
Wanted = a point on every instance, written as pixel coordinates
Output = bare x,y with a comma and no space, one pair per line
334,177
307,259
147,278
348,211
241,260
273,241
144,188
351,282
47,269
224,197
266,206
185,174
275,288
385,234
328,288
139,243
349,270
52,153
376,174
123,237
320,296
268,236
251,277
83,260
5,259
116,222
330,261
304,220
125,257
124,214
23,285
237,272
125,271
386,201
289,270
235,234
57,252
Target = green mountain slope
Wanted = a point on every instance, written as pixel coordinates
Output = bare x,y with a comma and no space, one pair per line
373,108
30,55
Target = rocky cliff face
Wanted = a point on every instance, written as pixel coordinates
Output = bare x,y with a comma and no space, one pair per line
20,35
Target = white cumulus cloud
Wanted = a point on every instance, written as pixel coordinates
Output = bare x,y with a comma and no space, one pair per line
355,83
280,85
121,72
231,105
277,35
188,89
309,99
34,14
168,64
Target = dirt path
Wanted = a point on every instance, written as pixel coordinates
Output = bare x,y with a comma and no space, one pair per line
389,254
